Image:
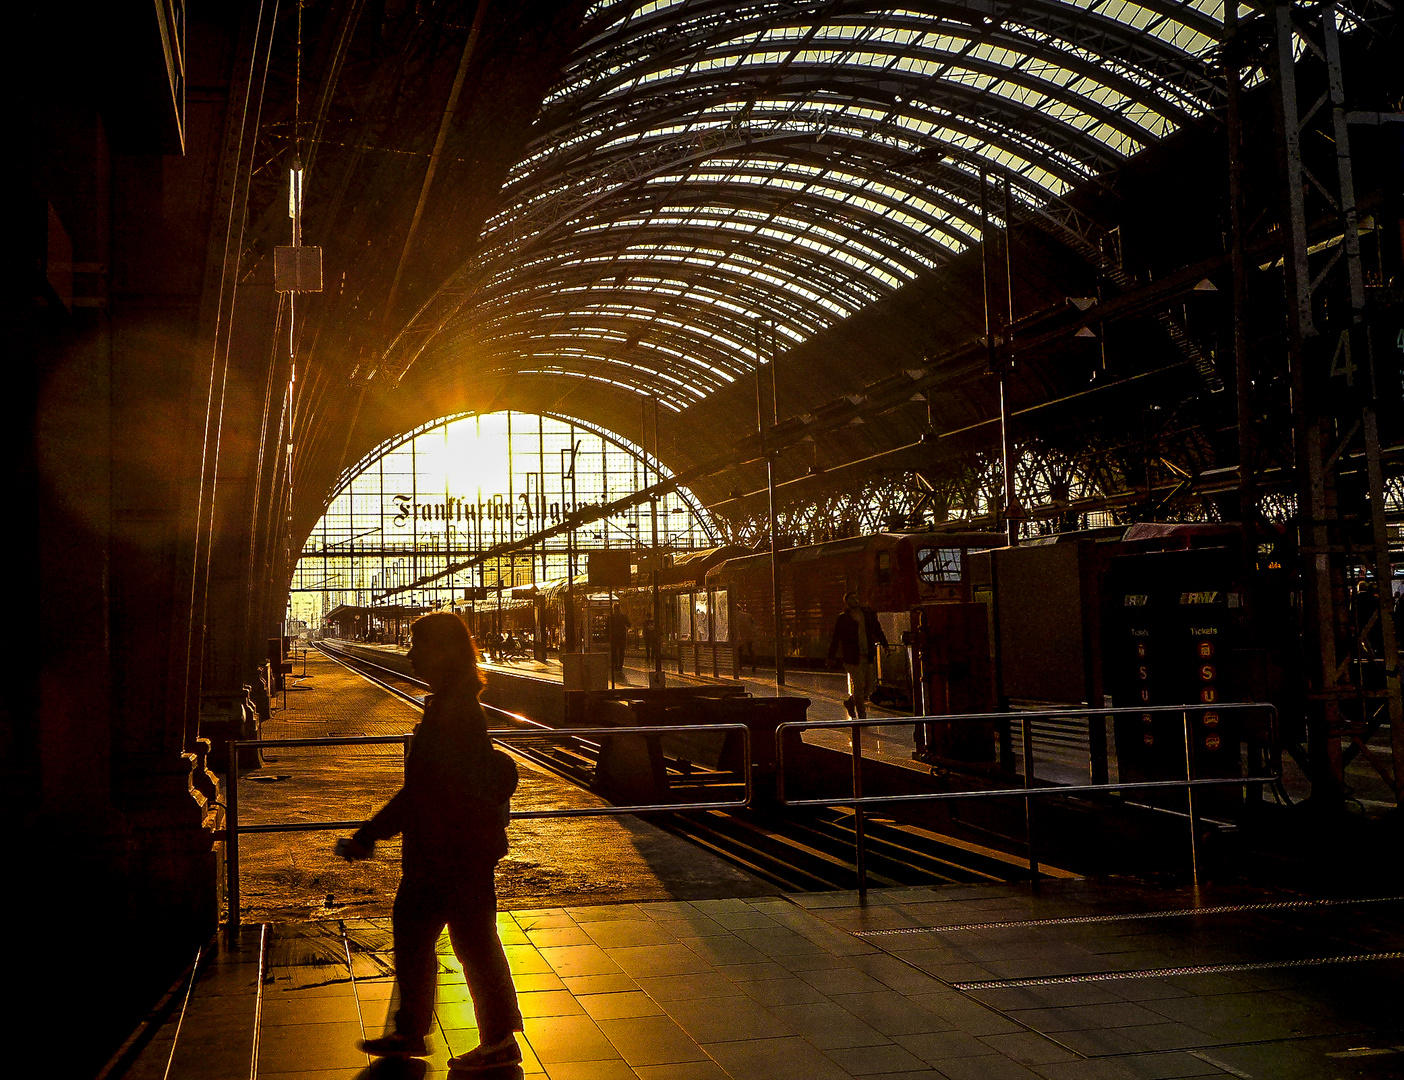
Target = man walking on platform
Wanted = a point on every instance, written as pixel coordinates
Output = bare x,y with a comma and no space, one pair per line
452,811
857,635
618,626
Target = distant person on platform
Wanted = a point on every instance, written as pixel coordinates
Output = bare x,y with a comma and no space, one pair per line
857,635
452,811
650,636
744,630
618,627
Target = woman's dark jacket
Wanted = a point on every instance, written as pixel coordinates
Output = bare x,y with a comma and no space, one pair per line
845,639
450,809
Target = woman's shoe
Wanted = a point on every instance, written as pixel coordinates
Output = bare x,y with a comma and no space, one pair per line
493,1056
395,1045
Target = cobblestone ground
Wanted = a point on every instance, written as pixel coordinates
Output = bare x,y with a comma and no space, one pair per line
289,876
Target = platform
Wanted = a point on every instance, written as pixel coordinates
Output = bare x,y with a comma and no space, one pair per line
679,967
1081,982
1059,745
825,691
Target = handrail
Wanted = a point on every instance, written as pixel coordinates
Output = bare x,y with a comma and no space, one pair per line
1027,792
233,830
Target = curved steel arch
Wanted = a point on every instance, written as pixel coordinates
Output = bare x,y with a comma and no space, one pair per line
823,196
668,278
811,129
617,328
733,247
693,318
635,312
881,85
796,321
750,207
714,256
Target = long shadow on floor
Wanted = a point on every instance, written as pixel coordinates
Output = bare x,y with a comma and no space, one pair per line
391,1068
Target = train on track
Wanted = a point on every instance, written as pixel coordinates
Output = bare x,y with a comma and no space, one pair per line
972,624
712,611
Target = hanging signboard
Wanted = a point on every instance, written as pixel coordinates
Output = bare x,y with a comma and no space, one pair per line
610,568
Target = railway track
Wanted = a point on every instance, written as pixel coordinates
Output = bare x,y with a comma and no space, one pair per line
798,850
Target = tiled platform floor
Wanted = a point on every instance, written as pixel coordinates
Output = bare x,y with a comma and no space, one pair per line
800,988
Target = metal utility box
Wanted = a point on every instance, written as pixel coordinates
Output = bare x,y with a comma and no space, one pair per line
1044,600
297,269
585,671
637,764
950,646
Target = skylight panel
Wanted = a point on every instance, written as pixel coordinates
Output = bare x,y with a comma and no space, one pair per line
1153,123
937,42
793,32
979,80
997,54
1027,96
650,77
1126,13
1115,140
1102,95
1066,112
1185,38
916,65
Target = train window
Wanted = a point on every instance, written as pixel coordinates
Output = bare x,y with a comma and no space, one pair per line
684,618
721,628
940,565
701,628
883,568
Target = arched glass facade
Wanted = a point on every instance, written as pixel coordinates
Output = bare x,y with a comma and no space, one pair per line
453,489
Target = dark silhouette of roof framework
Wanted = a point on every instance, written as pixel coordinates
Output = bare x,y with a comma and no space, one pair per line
705,168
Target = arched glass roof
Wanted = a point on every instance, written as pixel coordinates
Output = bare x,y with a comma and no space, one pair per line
705,167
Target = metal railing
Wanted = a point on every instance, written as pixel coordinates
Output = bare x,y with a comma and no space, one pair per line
233,829
1028,791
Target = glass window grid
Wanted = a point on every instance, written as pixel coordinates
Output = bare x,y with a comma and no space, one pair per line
369,541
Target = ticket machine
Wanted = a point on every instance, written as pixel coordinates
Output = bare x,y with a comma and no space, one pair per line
1173,630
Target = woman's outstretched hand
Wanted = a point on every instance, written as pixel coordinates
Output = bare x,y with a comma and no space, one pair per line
352,850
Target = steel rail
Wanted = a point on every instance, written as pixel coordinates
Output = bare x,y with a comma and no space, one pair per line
1027,792
355,663
258,1000
349,660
